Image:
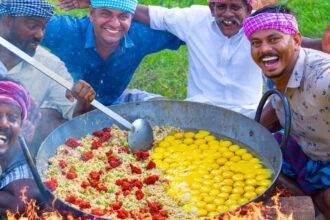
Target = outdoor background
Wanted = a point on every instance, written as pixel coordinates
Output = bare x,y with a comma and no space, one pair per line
165,72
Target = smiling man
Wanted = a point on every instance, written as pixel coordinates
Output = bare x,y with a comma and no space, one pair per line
221,69
105,48
14,172
303,75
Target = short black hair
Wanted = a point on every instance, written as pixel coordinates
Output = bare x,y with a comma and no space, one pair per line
273,8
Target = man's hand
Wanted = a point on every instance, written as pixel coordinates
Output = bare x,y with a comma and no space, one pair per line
68,5
84,93
81,91
326,40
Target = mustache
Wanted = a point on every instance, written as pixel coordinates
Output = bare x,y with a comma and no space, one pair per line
221,19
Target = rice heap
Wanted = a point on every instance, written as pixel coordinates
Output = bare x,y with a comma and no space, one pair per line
99,175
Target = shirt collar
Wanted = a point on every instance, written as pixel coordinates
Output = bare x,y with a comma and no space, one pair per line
126,42
298,71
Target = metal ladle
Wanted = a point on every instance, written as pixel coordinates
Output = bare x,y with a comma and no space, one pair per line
140,136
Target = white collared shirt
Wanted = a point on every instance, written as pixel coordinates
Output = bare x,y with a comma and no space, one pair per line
221,69
308,92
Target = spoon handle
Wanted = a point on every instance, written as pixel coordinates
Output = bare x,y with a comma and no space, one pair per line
112,114
33,168
60,80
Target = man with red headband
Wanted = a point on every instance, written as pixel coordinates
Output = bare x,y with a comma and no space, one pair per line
14,172
303,75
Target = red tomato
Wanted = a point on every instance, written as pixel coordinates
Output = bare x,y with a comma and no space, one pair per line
71,142
151,179
150,165
51,184
87,156
84,184
95,175
62,164
71,174
139,194
116,205
135,169
96,145
84,205
122,213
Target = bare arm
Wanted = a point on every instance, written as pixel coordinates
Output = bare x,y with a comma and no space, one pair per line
68,5
269,119
315,44
326,40
142,14
10,195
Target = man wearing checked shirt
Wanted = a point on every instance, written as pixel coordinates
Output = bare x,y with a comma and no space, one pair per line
105,48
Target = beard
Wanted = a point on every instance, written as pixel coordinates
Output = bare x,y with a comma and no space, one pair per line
23,43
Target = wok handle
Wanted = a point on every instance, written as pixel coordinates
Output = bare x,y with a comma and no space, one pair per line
287,123
33,168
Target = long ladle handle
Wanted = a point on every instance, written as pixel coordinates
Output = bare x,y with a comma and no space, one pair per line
33,168
60,80
286,105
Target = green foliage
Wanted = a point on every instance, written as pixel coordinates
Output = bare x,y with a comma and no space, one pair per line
166,72
313,15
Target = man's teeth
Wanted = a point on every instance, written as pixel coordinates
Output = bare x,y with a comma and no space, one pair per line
228,22
3,139
269,59
112,31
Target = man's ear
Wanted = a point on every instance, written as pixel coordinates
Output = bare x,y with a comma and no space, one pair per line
211,6
297,38
91,14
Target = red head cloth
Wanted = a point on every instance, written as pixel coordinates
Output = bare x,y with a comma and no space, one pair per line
15,94
285,23
248,1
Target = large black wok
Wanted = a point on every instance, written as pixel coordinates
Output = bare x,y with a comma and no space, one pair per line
186,115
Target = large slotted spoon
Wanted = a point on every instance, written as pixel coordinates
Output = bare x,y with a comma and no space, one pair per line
140,136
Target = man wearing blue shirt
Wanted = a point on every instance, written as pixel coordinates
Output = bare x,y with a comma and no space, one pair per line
105,48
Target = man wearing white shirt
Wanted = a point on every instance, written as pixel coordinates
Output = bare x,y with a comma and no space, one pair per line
221,69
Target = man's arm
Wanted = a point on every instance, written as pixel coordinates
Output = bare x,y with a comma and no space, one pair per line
142,14
68,5
326,40
315,44
10,195
269,119
84,94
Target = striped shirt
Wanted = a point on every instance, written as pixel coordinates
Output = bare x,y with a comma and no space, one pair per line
20,171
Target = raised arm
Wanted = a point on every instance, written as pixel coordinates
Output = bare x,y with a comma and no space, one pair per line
315,44
326,40
68,5
142,14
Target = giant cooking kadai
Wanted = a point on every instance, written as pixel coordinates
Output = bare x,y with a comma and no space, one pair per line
186,175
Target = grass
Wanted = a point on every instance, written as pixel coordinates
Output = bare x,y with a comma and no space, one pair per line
165,72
